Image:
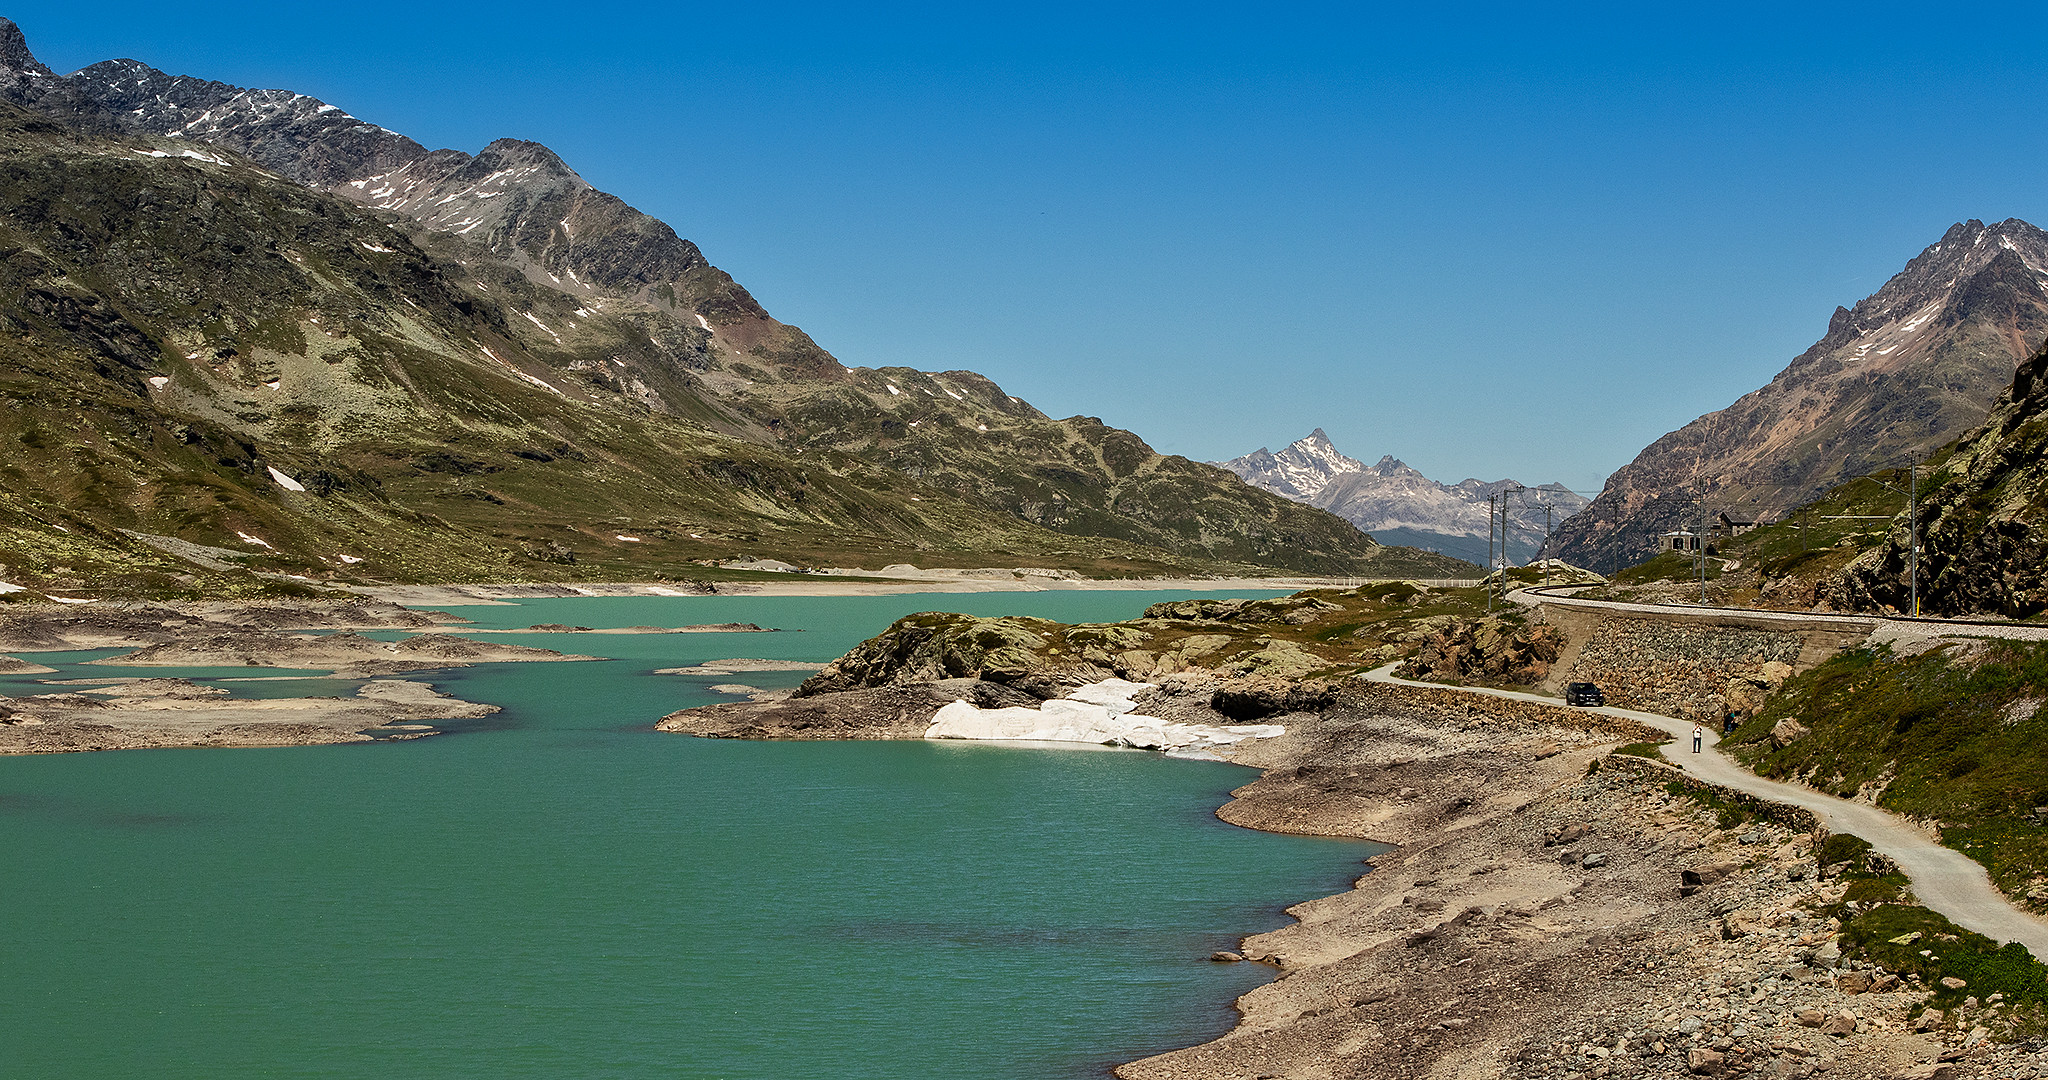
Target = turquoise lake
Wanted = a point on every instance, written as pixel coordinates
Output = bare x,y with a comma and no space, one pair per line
559,891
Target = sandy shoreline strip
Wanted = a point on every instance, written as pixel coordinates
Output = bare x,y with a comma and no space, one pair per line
829,585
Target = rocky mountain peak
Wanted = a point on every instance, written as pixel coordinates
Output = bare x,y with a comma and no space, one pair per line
1299,471
1397,503
14,52
1908,368
515,197
23,78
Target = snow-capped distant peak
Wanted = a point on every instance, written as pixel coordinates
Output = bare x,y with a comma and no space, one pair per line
1395,498
1299,470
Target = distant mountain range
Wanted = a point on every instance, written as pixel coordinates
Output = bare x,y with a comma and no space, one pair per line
1398,505
1907,370
247,320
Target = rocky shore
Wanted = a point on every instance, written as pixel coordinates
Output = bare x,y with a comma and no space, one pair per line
146,713
129,713
1551,908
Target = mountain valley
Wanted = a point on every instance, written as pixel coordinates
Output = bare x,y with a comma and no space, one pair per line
247,321
1398,505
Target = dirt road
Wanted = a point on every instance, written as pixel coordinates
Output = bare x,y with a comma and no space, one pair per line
1945,880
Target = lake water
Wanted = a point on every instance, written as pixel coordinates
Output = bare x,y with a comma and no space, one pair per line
559,891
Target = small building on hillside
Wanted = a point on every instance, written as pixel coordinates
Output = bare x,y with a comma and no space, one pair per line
1683,540
1728,528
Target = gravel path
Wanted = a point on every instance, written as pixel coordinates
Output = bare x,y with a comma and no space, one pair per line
1945,880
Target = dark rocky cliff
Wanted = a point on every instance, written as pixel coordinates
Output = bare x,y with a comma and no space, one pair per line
1983,520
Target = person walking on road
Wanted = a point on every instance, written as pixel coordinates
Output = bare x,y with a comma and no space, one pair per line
1697,735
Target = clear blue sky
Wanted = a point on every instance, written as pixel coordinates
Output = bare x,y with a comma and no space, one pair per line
1488,239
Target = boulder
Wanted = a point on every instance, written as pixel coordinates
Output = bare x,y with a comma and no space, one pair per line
1566,834
1810,1017
1703,875
1854,982
1705,1062
1841,1024
1741,923
1787,732
1257,698
1275,658
1468,915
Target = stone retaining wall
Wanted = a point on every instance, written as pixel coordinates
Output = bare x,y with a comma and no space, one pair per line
1685,670
1691,664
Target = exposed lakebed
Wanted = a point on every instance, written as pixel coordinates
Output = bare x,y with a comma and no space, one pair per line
559,891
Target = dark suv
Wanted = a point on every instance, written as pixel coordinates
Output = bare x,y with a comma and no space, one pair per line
1583,693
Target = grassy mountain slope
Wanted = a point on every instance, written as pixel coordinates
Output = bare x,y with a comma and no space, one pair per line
176,327
628,314
1955,737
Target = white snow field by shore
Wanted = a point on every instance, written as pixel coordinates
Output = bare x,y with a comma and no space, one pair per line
1100,713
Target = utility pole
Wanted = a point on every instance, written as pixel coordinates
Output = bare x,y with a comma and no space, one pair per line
1491,560
1699,546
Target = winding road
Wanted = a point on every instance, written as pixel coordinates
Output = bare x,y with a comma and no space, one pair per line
1945,880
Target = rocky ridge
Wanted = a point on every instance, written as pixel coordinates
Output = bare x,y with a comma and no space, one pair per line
514,266
1396,504
1909,368
131,714
126,712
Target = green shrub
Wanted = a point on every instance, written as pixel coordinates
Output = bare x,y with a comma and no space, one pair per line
1883,935
1841,848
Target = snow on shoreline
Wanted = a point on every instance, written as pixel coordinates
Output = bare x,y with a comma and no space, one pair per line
1102,713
